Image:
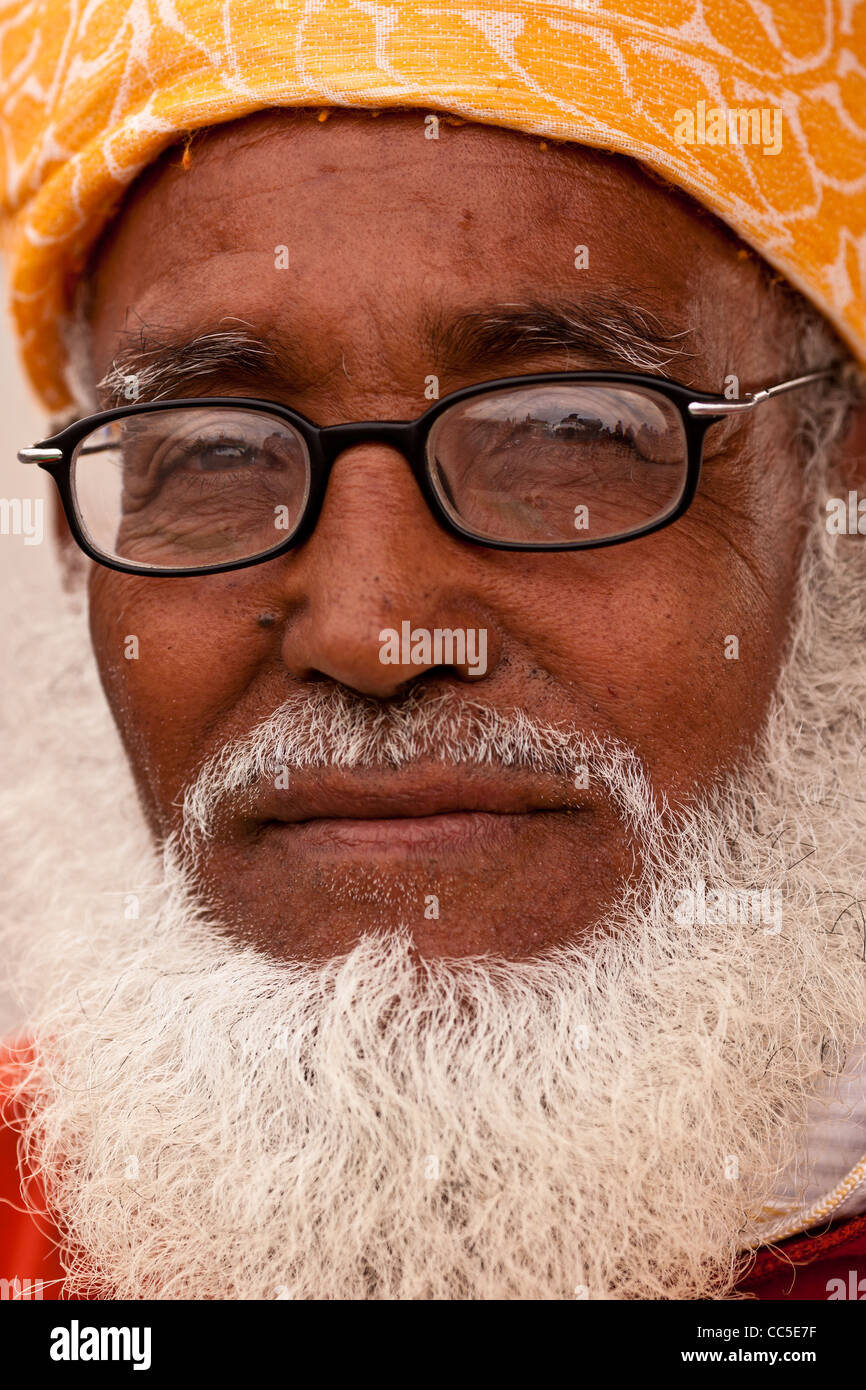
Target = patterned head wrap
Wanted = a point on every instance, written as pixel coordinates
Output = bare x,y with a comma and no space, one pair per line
756,108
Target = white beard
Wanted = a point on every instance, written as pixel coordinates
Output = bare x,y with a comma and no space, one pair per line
606,1122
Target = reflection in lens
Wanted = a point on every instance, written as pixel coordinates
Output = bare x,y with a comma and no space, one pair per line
558,462
181,488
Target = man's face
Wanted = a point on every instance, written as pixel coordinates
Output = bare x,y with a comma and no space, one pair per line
391,239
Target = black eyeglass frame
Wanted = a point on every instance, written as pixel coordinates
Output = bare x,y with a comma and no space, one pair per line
698,410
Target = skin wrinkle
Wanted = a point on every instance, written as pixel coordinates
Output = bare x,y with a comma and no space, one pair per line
638,620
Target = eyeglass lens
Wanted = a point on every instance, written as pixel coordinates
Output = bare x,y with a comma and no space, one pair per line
192,486
559,462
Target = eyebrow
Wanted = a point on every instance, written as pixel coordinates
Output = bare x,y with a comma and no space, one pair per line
155,365
617,330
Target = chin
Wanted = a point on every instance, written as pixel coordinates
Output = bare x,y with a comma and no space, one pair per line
461,901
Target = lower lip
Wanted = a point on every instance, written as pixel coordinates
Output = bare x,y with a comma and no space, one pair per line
453,830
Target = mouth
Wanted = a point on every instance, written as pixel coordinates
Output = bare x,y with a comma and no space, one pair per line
445,829
376,813
308,860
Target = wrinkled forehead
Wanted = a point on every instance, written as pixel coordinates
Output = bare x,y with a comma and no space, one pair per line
350,234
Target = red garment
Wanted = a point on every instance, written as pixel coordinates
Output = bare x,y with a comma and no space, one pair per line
828,1262
824,1264
28,1237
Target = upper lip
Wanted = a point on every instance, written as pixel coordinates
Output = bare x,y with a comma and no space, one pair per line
384,793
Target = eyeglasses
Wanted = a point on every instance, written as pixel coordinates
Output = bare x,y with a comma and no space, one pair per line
559,461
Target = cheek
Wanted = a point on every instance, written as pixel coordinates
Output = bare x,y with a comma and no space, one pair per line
174,656
676,641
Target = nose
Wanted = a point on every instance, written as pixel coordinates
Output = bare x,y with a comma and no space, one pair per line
380,596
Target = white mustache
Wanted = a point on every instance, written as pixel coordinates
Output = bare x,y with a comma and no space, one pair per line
331,726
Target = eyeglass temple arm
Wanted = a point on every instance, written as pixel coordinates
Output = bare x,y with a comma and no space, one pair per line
736,407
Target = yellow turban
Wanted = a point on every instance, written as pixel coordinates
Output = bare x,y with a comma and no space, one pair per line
756,109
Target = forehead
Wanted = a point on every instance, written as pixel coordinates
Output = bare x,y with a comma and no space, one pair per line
363,226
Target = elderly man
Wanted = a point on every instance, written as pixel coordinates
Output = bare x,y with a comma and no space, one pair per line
458,431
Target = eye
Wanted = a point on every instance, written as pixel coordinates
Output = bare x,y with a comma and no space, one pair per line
210,455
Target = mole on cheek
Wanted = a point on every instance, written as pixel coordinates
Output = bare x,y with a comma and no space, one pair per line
266,620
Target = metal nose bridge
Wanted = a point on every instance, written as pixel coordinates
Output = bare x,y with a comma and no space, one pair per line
400,434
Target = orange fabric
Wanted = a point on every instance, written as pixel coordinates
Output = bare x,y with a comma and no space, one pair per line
757,110
800,1269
